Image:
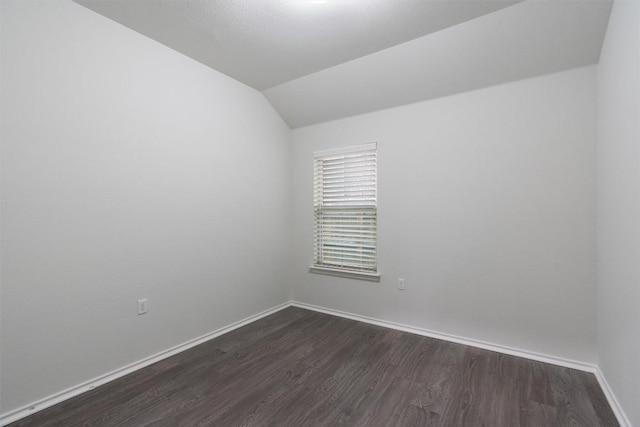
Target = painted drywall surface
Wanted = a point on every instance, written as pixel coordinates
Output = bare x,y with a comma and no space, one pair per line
618,153
128,171
486,208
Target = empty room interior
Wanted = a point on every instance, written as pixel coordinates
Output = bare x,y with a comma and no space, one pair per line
320,213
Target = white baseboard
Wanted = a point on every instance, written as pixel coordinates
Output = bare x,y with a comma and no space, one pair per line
581,366
611,397
61,396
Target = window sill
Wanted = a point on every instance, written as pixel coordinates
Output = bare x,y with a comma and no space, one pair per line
372,277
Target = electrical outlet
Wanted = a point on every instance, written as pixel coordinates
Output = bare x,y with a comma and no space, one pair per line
401,284
142,306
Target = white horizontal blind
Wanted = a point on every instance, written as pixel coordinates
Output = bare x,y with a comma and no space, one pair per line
345,208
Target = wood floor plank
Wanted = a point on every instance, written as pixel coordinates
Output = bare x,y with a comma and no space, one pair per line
573,405
597,398
303,368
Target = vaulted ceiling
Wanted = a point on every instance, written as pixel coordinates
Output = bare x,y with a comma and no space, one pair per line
319,60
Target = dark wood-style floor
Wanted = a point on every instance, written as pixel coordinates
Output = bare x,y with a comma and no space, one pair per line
302,368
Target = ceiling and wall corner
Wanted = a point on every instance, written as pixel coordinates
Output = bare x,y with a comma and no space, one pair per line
526,40
267,43
320,62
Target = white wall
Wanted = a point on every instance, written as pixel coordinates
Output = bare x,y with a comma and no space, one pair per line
128,171
619,207
486,208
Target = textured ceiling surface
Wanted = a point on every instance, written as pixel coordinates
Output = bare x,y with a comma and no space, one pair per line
322,60
526,40
264,43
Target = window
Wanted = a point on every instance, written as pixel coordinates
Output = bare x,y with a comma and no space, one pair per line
345,206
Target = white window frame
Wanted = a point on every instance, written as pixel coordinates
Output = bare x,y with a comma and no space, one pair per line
345,203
